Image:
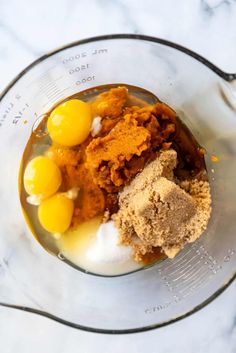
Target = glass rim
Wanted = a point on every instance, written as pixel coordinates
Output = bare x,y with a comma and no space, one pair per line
226,76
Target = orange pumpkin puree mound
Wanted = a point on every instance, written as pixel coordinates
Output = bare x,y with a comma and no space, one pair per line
107,156
116,158
110,104
91,200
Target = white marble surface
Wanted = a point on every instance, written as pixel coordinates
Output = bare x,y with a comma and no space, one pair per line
28,29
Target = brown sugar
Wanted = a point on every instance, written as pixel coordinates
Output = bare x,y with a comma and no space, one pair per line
156,212
161,166
160,211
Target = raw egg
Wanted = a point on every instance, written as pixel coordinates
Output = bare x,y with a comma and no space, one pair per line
42,177
69,124
55,213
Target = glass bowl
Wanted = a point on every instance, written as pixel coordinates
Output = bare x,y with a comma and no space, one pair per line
205,99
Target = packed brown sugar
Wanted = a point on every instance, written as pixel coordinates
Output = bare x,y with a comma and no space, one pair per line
157,212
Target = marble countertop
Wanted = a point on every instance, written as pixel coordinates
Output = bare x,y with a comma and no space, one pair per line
28,30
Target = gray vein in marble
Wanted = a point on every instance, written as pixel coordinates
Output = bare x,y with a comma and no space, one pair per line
2,271
17,283
211,8
232,327
125,12
27,47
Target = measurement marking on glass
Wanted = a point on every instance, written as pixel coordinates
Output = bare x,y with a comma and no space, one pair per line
49,90
194,284
54,93
79,68
42,77
183,254
194,276
85,80
191,273
183,264
74,57
58,96
189,269
43,83
187,285
83,55
178,259
46,86
188,281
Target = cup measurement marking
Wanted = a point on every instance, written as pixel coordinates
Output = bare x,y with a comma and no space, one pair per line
182,266
57,92
85,80
79,68
189,272
174,263
192,277
20,114
207,263
84,54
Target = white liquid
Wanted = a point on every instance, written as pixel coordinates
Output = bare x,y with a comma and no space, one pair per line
94,247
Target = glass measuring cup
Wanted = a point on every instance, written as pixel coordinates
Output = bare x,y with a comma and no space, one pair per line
205,100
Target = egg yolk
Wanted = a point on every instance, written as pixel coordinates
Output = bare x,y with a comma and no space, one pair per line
69,124
42,177
55,213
